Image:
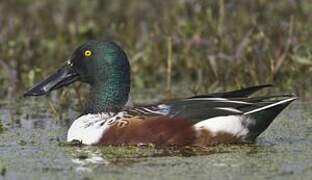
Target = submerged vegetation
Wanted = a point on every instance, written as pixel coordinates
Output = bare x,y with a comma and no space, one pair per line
126,152
206,45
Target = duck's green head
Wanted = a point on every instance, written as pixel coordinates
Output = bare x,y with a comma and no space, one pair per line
103,65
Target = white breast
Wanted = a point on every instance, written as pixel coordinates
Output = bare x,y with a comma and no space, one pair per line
88,129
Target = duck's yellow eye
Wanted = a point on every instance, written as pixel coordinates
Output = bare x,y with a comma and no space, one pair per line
87,53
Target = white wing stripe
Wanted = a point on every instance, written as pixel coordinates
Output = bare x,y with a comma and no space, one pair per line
269,106
229,109
218,100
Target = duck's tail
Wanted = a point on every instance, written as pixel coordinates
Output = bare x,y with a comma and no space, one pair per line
260,118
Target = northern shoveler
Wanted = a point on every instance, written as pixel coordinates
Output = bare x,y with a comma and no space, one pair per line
229,117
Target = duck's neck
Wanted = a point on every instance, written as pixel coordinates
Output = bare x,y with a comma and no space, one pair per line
110,94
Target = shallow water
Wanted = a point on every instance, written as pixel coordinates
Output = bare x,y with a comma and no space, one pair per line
32,147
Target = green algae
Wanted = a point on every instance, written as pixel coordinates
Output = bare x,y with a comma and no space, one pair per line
150,150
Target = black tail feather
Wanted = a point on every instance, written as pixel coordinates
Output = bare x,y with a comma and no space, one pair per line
235,94
260,119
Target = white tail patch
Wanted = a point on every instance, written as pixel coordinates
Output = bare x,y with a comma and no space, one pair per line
270,105
230,124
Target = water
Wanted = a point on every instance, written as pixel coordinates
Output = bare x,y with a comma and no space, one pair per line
32,147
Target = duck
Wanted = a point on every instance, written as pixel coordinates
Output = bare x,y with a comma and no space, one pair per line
232,117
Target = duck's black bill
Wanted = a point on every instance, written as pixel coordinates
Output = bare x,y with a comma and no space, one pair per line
64,76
